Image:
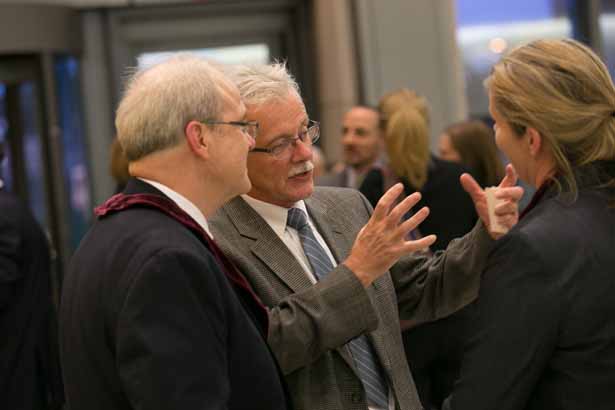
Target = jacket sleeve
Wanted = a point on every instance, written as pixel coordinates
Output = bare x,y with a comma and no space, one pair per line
515,332
171,339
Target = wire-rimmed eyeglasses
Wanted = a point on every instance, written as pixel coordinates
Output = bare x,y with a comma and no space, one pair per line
247,127
285,146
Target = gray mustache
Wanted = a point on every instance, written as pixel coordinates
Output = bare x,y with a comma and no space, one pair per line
301,168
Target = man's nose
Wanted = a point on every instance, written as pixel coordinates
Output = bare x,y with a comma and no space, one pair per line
302,151
251,141
348,138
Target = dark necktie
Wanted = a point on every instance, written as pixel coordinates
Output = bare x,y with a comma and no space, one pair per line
365,359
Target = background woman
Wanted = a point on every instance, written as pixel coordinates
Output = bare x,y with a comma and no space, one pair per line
472,144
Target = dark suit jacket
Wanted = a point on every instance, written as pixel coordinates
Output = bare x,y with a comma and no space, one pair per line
434,351
309,324
545,330
150,321
29,368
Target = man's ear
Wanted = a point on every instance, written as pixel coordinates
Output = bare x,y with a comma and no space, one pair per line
197,137
535,141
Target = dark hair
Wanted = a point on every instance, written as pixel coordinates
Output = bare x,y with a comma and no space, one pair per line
475,143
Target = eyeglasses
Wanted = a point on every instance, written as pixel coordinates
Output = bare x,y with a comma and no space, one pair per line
285,146
247,127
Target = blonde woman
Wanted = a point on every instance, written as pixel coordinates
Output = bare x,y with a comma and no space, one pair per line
545,331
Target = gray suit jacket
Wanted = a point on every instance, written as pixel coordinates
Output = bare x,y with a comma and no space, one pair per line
311,323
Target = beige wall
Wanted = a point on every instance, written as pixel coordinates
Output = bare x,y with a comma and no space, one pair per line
401,43
336,69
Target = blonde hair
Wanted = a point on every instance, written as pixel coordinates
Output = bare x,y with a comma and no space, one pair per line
405,125
161,100
563,90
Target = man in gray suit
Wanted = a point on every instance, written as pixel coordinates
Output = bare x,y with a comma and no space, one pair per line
336,278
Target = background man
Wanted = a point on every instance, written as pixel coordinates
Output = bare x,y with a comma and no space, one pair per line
362,148
321,264
153,315
29,365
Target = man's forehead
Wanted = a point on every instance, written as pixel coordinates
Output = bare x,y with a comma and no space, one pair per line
278,116
362,115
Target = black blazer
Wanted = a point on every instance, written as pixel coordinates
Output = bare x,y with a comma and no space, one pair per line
29,368
545,326
150,321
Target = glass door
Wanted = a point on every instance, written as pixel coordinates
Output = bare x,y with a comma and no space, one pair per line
24,168
41,132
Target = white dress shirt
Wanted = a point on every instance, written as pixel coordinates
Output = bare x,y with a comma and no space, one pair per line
184,203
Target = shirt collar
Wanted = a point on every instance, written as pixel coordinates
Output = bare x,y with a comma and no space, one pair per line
274,215
184,203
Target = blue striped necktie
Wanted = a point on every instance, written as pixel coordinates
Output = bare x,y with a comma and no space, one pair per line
366,362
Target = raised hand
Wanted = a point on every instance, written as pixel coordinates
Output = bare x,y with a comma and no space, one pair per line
507,211
382,241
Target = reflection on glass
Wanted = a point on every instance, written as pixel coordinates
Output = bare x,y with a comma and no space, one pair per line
75,167
32,151
607,28
244,54
485,32
6,178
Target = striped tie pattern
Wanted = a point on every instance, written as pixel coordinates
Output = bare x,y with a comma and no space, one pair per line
366,362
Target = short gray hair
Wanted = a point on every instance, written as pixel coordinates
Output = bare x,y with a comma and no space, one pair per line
159,101
260,83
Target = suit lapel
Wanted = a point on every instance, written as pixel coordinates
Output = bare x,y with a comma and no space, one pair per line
266,245
330,228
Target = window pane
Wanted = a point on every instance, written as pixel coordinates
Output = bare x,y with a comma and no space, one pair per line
485,32
33,150
607,28
246,54
5,165
76,174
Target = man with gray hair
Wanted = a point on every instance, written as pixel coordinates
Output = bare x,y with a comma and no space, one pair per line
336,278
153,315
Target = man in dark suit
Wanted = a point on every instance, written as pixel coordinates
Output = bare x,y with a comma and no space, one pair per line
153,315
30,377
328,270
